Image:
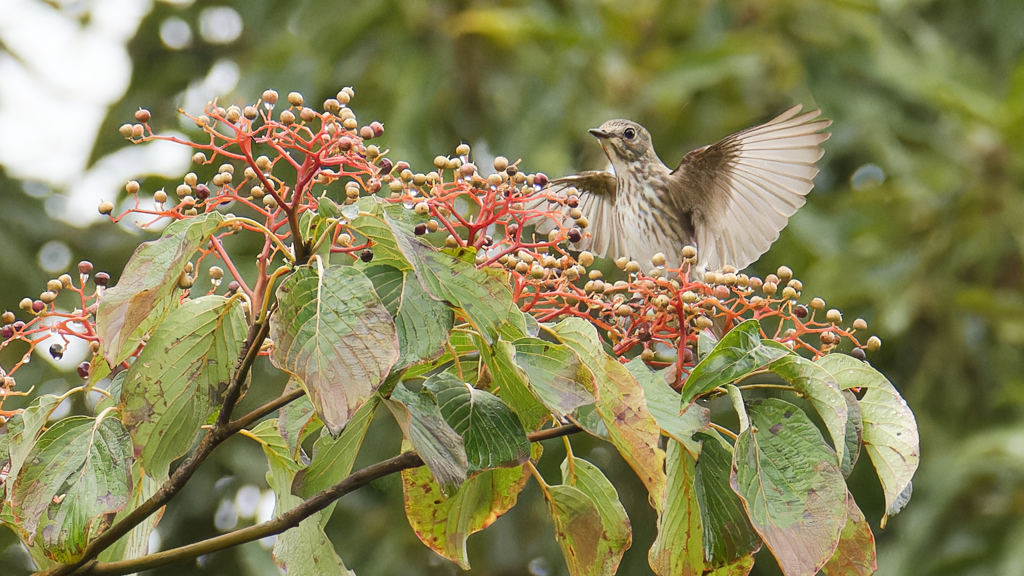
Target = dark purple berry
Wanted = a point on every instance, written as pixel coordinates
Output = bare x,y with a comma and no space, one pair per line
644,335
420,229
488,241
385,166
575,235
402,165
800,311
18,326
101,279
83,370
84,267
366,255
202,191
233,286
511,228
7,331
57,351
540,179
511,170
859,354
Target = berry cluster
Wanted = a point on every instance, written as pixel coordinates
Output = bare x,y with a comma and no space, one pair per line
277,163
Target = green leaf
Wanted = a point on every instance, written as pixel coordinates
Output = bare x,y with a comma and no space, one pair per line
179,379
791,486
820,388
555,374
146,289
737,354
135,544
855,555
388,283
728,535
444,524
296,421
890,431
663,403
491,433
440,447
304,550
854,433
679,548
706,343
740,567
590,524
333,457
332,334
484,299
20,439
77,476
511,382
370,224
621,404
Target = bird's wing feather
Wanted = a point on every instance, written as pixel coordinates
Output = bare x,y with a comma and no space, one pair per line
751,183
597,203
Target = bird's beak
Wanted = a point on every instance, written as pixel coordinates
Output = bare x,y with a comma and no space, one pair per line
598,133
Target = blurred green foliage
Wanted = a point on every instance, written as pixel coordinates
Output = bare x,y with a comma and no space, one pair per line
916,224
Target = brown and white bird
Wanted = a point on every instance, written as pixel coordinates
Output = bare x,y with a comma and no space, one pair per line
730,200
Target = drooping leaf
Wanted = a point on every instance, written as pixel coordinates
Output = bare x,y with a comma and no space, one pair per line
663,403
679,548
333,457
555,375
590,524
135,544
854,433
737,354
437,443
621,404
855,555
332,334
491,433
791,486
304,550
20,438
444,524
146,288
296,421
728,535
76,478
179,379
820,388
890,431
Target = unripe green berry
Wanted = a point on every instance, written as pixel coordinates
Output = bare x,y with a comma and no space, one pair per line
451,242
500,163
784,273
632,267
269,202
25,304
422,208
65,281
287,117
199,158
770,288
125,130
461,150
216,272
788,293
689,251
270,97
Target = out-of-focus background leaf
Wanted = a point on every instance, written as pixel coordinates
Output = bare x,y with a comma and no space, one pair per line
916,222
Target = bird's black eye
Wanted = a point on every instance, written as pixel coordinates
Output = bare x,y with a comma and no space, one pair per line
629,133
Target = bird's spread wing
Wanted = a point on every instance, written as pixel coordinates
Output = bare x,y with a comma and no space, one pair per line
597,202
751,183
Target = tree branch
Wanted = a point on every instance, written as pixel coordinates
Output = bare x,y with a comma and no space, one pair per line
286,520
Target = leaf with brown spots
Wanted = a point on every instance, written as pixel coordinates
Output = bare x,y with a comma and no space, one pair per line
791,486
145,291
333,334
179,379
620,401
855,555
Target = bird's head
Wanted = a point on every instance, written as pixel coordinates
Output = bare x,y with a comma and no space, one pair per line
624,142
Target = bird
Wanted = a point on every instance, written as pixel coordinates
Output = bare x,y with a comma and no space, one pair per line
729,200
